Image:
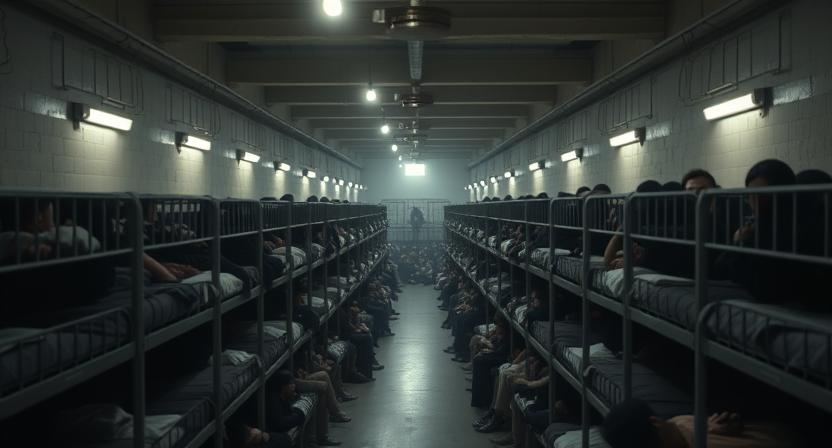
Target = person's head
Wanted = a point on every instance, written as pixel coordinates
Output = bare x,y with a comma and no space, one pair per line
601,189
312,198
649,186
698,179
508,197
35,216
324,199
767,173
542,195
672,186
288,197
811,177
582,191
631,424
286,384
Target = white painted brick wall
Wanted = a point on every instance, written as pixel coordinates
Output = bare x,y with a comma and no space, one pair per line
39,149
799,133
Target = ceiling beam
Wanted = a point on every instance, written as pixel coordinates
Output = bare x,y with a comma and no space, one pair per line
443,69
431,123
472,21
463,94
446,134
400,113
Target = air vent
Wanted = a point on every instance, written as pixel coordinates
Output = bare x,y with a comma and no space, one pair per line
414,22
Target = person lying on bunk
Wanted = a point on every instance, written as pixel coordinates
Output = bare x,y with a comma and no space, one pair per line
33,220
241,435
633,424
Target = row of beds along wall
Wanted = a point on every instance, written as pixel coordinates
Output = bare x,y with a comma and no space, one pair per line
769,335
83,322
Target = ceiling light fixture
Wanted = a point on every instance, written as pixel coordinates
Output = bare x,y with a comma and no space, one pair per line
632,136
572,155
750,101
394,147
281,166
189,141
246,156
370,95
534,166
385,128
332,8
81,112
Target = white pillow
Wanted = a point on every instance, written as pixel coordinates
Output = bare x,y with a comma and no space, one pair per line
573,439
229,284
86,243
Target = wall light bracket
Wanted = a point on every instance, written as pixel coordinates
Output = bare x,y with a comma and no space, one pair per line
756,99
79,112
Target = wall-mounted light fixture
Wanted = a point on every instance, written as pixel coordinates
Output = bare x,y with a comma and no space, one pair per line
493,179
326,179
572,155
246,156
385,128
534,166
483,183
631,136
332,8
394,147
189,141
281,166
309,173
79,112
350,184
750,101
509,174
341,182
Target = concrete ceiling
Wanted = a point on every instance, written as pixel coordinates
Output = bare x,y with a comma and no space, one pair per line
499,66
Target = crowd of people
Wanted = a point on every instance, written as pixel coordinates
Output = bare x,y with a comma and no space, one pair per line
511,384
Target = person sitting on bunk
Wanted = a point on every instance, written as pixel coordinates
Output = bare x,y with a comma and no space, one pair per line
534,386
633,424
327,409
281,416
468,314
358,334
320,363
482,384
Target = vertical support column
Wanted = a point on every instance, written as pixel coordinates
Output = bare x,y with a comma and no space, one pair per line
585,322
290,289
217,325
700,403
136,236
550,219
261,316
324,268
627,324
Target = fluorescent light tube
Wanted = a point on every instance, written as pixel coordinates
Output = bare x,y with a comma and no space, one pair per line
567,156
750,101
414,169
509,174
349,184
534,166
189,141
247,156
483,183
309,173
82,112
340,181
633,136
493,179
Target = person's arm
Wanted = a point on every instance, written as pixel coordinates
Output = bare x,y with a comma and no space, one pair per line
536,384
157,271
611,251
520,356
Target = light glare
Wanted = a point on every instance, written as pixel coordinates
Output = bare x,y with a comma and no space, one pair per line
732,107
414,169
333,8
109,120
385,128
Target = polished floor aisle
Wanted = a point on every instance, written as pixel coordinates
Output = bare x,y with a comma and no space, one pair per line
419,399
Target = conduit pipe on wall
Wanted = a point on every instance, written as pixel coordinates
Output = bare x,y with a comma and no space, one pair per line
113,35
721,21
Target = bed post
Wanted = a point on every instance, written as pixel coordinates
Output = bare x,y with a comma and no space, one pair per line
136,237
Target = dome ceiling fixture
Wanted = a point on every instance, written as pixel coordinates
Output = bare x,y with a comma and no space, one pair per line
414,22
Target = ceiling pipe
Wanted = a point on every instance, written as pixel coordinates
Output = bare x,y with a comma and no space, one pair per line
720,22
120,40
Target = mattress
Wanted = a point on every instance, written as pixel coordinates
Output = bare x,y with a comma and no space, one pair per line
199,385
482,330
306,403
571,267
666,400
678,303
758,330
243,336
574,439
337,350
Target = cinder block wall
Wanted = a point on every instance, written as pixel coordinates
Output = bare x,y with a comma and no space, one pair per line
789,49
46,67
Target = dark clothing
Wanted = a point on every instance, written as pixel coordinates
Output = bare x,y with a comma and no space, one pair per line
482,377
280,415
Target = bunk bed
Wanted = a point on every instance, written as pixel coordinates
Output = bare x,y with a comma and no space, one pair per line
49,354
783,346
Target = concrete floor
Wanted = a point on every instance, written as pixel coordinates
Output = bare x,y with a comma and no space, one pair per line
419,399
